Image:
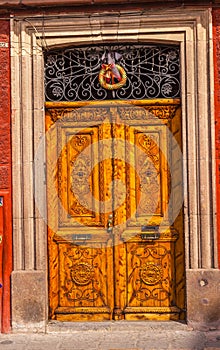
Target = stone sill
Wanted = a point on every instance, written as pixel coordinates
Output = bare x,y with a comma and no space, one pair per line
53,3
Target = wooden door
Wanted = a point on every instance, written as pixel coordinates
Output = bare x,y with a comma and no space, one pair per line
114,253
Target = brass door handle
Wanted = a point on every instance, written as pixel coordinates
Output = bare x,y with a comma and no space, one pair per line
1,238
109,223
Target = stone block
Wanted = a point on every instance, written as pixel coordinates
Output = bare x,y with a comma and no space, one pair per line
203,302
29,295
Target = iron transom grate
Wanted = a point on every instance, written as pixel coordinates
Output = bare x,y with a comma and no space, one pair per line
72,74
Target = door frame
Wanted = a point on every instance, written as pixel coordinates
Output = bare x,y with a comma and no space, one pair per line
191,29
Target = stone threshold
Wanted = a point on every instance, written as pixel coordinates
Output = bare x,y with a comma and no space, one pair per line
134,326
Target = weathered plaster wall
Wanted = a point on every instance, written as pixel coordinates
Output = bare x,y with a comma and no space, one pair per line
5,153
5,170
216,44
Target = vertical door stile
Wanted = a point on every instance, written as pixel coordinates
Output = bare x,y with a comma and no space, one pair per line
52,207
119,212
105,179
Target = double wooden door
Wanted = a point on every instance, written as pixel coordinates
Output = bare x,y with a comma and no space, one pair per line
114,252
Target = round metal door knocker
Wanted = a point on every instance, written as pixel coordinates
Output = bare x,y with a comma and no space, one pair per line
82,273
150,273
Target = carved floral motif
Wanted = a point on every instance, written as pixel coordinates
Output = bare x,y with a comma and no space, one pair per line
146,112
80,174
82,273
150,276
81,115
148,166
151,273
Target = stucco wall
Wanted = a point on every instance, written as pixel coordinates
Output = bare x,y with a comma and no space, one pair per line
5,169
5,153
216,46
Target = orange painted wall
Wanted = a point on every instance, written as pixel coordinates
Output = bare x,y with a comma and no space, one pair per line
5,175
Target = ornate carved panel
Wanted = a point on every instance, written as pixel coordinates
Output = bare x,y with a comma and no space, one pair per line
147,112
81,115
83,276
148,167
117,167
77,177
150,274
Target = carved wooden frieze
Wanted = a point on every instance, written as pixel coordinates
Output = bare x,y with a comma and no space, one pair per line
147,112
84,114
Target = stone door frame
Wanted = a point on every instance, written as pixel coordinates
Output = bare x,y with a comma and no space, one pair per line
191,28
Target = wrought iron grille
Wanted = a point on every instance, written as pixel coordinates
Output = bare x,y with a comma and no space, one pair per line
73,74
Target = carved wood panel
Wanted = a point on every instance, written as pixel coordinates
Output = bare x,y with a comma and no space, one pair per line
76,177
84,279
150,275
108,166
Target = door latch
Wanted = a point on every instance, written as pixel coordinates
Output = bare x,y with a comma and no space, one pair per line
150,236
81,237
150,233
1,238
109,223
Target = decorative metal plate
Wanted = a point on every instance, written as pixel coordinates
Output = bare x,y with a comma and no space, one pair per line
73,74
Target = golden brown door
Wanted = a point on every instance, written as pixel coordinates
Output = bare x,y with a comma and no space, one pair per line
115,236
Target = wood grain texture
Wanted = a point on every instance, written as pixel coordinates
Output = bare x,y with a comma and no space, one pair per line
113,274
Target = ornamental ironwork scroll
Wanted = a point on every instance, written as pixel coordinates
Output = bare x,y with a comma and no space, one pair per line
73,74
